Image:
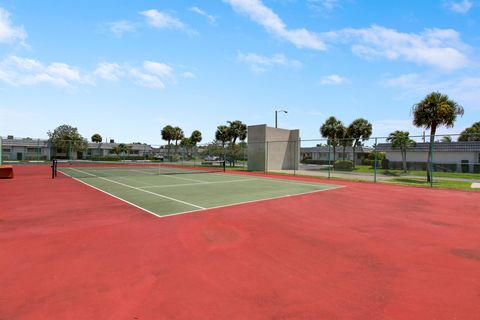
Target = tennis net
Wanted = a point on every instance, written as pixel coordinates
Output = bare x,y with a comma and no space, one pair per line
93,169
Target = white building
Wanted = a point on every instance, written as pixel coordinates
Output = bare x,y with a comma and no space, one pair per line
461,156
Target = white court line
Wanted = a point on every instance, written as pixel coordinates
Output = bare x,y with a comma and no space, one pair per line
114,196
201,208
251,201
196,184
146,191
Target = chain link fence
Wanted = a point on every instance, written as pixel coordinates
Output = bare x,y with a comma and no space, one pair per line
412,160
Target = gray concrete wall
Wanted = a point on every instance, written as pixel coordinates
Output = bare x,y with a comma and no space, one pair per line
273,148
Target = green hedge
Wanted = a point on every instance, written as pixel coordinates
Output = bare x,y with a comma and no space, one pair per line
343,165
311,161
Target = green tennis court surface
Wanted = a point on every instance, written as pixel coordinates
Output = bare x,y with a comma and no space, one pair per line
168,194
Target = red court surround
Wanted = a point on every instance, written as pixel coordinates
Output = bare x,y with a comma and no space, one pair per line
368,251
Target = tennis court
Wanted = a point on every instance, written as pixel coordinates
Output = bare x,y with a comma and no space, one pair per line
165,190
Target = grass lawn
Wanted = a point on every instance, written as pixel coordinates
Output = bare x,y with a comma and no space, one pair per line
399,173
436,183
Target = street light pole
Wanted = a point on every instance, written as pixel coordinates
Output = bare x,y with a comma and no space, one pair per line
276,116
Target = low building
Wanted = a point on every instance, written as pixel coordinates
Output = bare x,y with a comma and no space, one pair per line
460,156
325,153
18,149
25,149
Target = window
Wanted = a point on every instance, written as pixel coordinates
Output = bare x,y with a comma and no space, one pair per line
34,150
6,150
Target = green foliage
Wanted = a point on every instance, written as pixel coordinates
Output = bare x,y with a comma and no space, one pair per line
67,139
446,139
121,149
401,139
97,138
435,110
385,164
238,130
195,137
471,134
343,165
379,155
168,134
333,130
223,134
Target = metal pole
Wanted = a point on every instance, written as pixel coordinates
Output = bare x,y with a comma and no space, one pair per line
328,159
375,162
276,120
1,151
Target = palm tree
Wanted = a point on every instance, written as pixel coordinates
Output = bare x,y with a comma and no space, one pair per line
401,139
121,149
344,140
435,110
446,139
471,134
332,129
97,138
359,129
223,134
168,135
196,137
238,130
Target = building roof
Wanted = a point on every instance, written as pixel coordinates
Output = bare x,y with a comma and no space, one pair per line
456,146
43,143
325,149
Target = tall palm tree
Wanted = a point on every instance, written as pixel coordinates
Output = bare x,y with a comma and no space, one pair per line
195,137
471,134
332,129
238,130
178,135
344,140
96,138
435,110
401,139
359,129
223,134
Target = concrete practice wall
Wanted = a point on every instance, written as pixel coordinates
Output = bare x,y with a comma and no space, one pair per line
273,148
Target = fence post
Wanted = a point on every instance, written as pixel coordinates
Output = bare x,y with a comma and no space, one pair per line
430,165
375,162
328,159
266,157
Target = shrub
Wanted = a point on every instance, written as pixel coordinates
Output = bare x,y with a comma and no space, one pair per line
310,161
385,164
343,165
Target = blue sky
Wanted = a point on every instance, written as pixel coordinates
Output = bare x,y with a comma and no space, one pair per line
125,69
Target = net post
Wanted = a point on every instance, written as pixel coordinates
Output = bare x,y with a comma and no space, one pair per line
375,161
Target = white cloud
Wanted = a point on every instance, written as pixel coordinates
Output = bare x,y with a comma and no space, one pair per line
162,20
211,19
160,69
441,48
8,32
463,89
333,79
323,5
118,28
459,6
109,71
269,20
261,64
146,80
188,75
17,71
